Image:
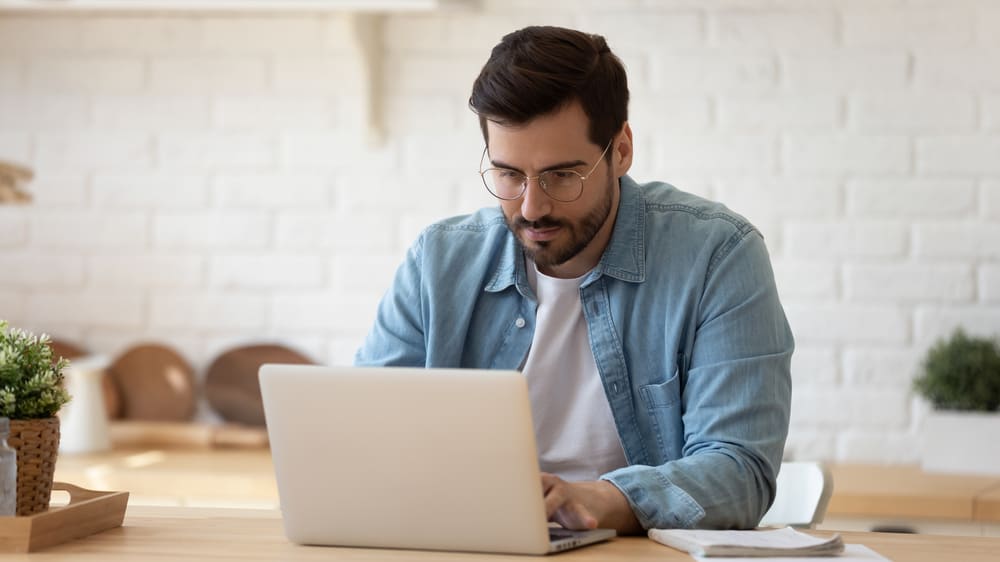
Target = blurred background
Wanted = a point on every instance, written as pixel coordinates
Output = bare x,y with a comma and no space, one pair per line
209,178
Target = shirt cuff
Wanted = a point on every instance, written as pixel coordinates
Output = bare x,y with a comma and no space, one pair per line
657,502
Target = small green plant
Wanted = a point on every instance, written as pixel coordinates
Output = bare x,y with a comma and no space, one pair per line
961,373
31,384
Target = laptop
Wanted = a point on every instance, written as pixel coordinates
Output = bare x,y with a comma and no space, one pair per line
384,457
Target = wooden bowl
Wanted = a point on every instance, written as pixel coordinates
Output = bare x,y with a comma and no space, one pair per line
231,384
155,383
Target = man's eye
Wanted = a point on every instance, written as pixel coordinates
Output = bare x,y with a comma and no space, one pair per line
563,174
506,174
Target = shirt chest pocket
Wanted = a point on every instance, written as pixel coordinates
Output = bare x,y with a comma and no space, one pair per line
663,412
662,395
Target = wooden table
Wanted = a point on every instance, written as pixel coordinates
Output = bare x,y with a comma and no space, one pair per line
193,477
906,491
864,496
178,533
987,506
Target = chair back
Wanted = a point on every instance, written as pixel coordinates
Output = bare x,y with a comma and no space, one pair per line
804,490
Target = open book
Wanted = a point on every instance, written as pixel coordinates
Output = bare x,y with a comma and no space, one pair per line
779,542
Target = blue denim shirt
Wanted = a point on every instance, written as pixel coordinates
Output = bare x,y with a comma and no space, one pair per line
689,336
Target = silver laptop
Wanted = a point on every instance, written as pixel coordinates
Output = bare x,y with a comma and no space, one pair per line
440,459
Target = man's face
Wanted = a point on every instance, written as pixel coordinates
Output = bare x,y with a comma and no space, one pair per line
565,239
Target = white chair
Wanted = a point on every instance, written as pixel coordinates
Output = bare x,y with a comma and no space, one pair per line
804,490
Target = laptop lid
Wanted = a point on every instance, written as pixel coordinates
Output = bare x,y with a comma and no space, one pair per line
440,459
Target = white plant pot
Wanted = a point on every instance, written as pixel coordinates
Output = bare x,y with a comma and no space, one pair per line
961,442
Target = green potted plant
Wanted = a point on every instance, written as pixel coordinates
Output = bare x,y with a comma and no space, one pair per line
960,377
31,393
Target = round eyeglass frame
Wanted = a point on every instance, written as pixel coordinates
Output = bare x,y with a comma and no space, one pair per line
526,178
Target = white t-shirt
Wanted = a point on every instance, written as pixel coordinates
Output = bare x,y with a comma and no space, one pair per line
574,428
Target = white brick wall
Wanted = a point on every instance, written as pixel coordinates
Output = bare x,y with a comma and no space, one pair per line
791,30
989,283
917,27
62,189
863,408
229,229
28,271
13,228
844,239
909,282
844,154
92,74
807,279
814,365
39,112
85,309
202,179
225,150
906,112
139,271
265,272
991,112
959,155
844,70
93,150
152,113
160,191
88,231
991,200
848,323
15,146
911,198
935,321
209,310
956,70
704,71
778,112
956,240
10,73
194,74
884,367
896,447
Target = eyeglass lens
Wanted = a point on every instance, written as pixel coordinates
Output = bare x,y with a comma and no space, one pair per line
561,185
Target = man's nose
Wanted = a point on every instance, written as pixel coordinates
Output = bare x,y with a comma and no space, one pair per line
535,203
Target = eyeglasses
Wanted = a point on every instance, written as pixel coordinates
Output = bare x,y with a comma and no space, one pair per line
564,186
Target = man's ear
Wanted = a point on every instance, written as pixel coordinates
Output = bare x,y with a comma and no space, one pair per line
621,151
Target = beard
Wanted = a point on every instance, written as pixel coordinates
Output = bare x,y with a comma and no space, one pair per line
557,252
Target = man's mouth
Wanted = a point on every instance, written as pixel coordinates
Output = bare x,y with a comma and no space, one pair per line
539,231
541,234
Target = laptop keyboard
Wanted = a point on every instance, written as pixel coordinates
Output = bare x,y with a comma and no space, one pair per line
558,533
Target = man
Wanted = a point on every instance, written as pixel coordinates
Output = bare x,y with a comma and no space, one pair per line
645,319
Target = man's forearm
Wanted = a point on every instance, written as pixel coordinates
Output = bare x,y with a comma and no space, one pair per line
619,515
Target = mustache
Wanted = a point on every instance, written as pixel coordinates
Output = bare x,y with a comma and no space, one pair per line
544,222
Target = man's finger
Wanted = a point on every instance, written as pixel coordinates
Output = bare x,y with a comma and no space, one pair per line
555,499
575,516
563,507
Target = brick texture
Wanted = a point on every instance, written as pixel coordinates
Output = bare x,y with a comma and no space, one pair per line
207,180
911,198
13,228
909,282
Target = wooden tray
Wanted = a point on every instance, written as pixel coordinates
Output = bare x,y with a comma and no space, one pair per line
87,512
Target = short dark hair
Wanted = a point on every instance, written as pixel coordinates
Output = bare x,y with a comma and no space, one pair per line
539,69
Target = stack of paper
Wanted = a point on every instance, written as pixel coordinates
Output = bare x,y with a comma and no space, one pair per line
777,543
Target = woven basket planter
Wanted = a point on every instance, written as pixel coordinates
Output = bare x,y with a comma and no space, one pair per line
37,445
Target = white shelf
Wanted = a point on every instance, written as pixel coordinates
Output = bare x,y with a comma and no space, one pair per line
230,5
365,17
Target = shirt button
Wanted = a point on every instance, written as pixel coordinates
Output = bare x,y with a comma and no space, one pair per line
519,322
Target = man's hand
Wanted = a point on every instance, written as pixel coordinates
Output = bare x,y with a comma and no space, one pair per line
588,505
